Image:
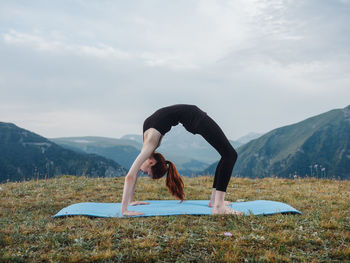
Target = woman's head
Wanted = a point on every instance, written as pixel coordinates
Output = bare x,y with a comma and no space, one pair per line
146,167
159,167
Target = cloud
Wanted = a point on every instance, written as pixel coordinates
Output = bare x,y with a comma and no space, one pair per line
39,43
253,65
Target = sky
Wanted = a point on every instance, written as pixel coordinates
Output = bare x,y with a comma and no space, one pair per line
99,68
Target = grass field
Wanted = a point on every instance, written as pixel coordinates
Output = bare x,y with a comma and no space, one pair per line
29,234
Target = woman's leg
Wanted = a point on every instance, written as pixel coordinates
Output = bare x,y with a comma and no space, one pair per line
213,134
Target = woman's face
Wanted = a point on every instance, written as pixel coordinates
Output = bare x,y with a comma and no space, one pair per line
146,166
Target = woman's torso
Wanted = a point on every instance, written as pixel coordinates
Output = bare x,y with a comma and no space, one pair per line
163,119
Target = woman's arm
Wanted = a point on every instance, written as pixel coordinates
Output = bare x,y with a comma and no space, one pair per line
136,202
131,178
133,190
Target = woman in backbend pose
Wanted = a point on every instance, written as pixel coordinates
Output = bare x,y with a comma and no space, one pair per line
195,121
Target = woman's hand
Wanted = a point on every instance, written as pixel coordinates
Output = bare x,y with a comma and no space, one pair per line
139,203
132,213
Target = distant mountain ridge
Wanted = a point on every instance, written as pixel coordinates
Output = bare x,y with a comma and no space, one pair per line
190,153
123,151
26,155
133,137
186,149
248,137
318,146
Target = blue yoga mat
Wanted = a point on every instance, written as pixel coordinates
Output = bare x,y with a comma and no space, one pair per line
174,207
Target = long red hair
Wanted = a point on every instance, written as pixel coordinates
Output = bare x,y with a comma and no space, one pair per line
173,180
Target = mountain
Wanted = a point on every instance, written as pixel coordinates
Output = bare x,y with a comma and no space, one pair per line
190,153
247,138
85,142
26,155
123,151
134,137
318,146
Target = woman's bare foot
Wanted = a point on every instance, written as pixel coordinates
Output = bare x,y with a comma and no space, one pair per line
226,203
225,210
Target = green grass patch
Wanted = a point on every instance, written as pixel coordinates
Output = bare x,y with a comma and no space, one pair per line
29,234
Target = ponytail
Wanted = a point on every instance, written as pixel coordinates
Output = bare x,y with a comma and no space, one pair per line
173,181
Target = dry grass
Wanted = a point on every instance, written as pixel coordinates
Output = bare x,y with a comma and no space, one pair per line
29,234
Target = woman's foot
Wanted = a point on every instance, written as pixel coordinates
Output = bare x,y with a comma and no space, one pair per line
224,210
226,203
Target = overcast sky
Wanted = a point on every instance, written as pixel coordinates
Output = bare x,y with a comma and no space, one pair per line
78,68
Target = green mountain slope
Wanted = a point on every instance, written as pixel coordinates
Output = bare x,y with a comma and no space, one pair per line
26,155
318,146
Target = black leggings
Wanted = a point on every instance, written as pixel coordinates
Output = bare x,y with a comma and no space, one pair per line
213,134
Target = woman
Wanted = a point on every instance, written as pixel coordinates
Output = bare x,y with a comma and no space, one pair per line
195,121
